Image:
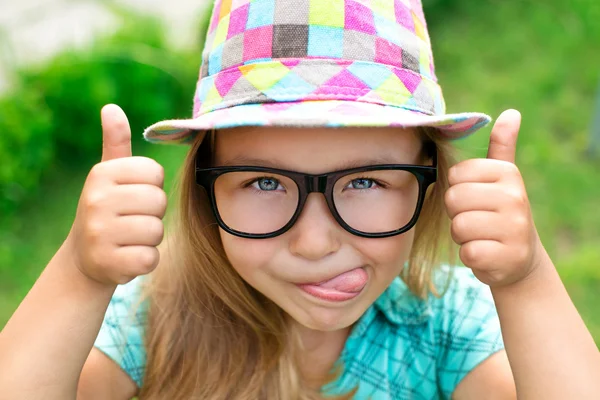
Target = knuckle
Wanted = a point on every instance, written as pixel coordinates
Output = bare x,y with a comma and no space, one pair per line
154,169
98,257
454,231
449,196
452,174
156,229
516,196
148,259
520,223
122,279
97,171
493,277
159,171
511,170
521,254
120,125
163,202
95,229
468,255
159,197
451,200
94,200
457,228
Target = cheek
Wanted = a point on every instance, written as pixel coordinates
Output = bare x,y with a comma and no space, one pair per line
392,252
249,257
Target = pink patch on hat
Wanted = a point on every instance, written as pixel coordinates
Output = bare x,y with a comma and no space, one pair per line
387,52
277,107
350,109
214,21
291,62
238,3
359,18
410,79
225,81
417,8
459,126
238,20
343,83
403,15
258,43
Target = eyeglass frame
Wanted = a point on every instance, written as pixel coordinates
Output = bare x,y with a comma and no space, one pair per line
314,183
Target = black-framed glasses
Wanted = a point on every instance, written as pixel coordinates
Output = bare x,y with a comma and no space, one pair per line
374,201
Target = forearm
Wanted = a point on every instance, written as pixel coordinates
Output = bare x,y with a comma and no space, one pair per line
551,352
45,344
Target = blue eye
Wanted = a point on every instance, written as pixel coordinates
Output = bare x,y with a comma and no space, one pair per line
362,183
267,184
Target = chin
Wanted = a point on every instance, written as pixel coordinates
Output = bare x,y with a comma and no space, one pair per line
325,319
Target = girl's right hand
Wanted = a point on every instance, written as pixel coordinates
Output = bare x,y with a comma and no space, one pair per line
119,225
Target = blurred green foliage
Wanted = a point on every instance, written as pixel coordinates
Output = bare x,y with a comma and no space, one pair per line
542,58
51,121
53,112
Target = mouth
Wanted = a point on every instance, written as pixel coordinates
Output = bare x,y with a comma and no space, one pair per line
341,287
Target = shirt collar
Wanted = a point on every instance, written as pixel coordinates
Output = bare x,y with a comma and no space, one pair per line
398,305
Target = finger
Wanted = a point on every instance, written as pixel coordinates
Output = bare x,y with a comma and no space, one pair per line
139,199
116,133
472,196
137,230
482,170
136,260
483,254
478,225
133,170
503,139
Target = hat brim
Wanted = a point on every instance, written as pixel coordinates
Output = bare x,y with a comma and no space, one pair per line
327,113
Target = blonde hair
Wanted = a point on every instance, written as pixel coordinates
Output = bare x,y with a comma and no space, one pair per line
210,335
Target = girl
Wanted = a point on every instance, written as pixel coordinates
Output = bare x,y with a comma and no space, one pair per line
306,261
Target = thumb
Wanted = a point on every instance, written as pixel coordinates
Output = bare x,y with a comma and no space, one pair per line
116,133
503,140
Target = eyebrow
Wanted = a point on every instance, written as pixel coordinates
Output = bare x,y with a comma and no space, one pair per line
355,163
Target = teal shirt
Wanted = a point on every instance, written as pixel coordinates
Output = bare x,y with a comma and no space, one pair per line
401,348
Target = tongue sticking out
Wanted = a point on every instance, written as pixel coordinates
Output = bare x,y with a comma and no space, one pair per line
348,282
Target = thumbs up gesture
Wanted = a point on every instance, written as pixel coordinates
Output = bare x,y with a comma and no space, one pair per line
490,212
119,217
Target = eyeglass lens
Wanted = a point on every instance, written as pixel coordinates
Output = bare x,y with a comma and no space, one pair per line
371,201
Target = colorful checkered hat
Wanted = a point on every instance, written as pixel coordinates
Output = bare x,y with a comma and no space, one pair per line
308,63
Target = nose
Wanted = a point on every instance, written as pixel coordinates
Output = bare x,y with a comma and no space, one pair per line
316,234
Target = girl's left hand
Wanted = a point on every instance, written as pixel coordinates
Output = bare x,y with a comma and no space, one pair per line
490,212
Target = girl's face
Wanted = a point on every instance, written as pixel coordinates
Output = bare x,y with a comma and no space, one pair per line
317,248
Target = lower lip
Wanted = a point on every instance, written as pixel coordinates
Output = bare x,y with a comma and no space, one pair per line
328,294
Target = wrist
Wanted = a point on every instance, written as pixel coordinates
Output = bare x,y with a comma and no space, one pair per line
73,269
541,273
